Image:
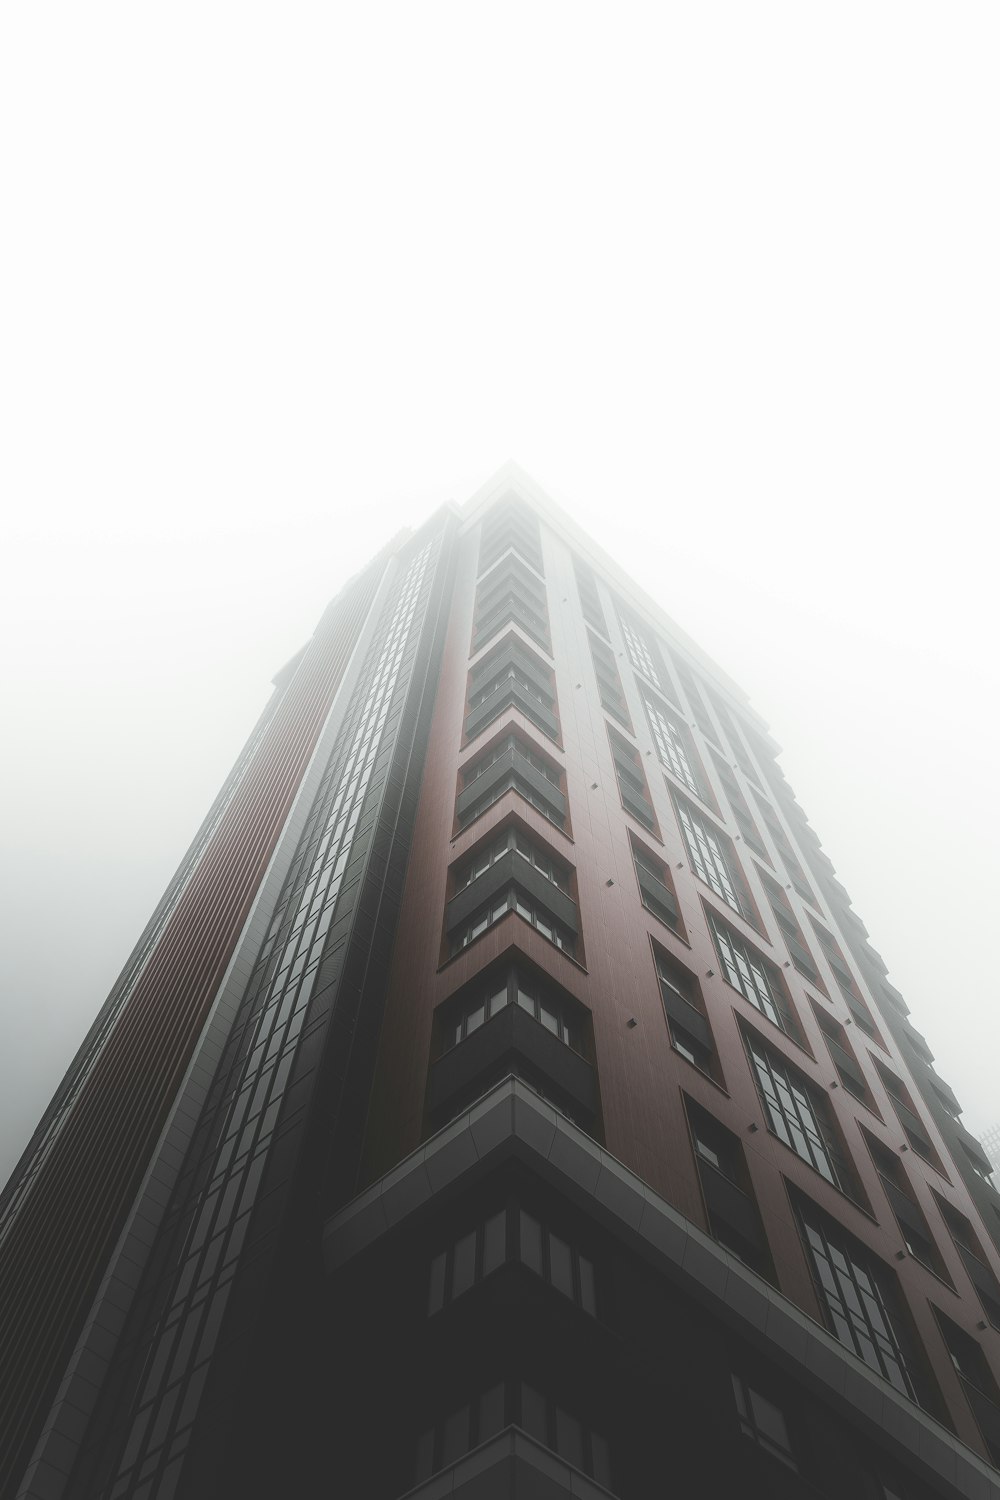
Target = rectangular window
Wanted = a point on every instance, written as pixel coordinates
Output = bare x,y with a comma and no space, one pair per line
644,654
856,1297
673,749
712,862
763,1421
632,786
590,601
527,907
524,771
656,887
690,1032
510,525
747,971
800,1116
475,1255
702,717
609,684
557,1261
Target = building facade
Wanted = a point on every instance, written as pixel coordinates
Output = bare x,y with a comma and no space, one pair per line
504,1099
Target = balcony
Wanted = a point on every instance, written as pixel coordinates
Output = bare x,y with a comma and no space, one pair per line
506,1043
511,693
512,762
511,869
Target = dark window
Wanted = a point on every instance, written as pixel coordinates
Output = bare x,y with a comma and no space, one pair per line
735,738
656,887
519,777
590,601
632,786
673,746
849,1070
733,1217
755,978
712,861
690,1032
487,997
510,525
763,1421
909,1216
456,1269
527,907
502,1404
857,1297
609,683
797,1114
702,717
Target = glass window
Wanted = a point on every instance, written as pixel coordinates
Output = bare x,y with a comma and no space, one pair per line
569,1438
531,1243
456,1436
671,747
745,971
560,1266
588,1297
761,1420
435,1297
464,1271
851,1295
495,1242
640,652
534,1416
791,1112
708,859
491,1413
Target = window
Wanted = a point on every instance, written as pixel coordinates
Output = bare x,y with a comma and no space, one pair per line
912,1125
643,653
503,1404
656,889
468,1259
561,1264
702,717
511,594
710,862
909,1217
510,524
508,674
794,1112
735,738
856,1295
513,838
518,775
690,1033
549,1011
786,919
733,1219
632,786
477,1011
511,673
609,684
527,907
762,1421
758,981
740,808
849,1070
973,1258
590,601
489,994
783,845
672,747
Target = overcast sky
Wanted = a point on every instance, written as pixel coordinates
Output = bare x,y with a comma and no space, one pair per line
276,280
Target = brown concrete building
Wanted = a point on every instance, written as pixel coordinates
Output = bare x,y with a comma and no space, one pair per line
504,1100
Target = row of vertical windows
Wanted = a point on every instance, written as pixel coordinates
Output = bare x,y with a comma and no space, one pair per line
514,988
512,1234
513,838
671,746
746,971
708,860
509,674
527,907
791,1111
507,1403
278,998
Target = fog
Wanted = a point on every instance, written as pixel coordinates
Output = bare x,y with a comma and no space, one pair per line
279,280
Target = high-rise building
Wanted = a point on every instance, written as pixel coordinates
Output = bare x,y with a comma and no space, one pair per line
503,1100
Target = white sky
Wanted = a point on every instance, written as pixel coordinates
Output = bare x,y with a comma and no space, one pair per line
275,280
